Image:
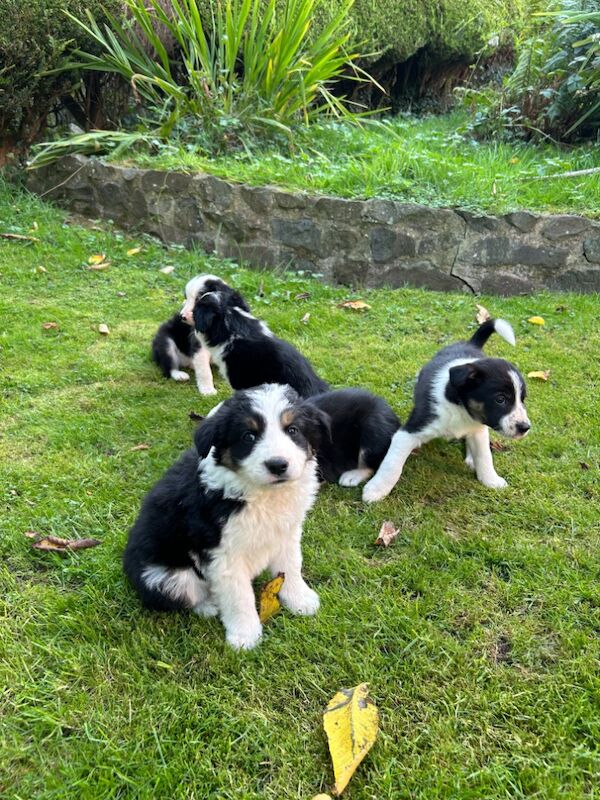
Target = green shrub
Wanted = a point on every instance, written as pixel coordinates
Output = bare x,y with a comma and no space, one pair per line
34,37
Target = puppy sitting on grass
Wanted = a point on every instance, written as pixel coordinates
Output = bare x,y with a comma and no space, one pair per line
460,394
229,509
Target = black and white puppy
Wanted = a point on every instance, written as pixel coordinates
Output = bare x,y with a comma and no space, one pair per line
229,509
246,351
460,394
362,426
175,346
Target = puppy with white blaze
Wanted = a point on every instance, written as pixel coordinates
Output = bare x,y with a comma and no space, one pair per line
175,346
229,509
246,351
460,394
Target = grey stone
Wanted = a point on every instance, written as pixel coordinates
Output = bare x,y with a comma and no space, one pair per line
591,249
287,200
302,233
481,223
563,226
388,245
521,220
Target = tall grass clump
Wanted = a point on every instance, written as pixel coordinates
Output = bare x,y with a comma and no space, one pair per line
246,68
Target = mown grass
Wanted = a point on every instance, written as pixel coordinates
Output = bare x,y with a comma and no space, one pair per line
477,630
432,159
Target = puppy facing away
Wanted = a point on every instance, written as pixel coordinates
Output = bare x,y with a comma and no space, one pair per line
460,394
175,344
245,350
229,509
362,426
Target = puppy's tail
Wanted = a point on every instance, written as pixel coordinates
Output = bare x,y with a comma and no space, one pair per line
485,330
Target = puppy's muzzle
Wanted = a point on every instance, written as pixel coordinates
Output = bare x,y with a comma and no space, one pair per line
277,466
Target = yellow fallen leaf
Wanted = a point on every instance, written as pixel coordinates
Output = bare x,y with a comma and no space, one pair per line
322,797
482,314
351,722
514,161
41,269
355,305
269,601
167,270
97,258
98,267
537,320
387,533
142,446
133,251
541,374
305,318
103,329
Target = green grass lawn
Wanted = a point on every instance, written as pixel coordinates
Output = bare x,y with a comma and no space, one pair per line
477,630
433,160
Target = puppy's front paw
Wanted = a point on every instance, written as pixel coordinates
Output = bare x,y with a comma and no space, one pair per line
244,638
494,482
179,375
469,462
304,601
206,609
207,390
373,492
353,477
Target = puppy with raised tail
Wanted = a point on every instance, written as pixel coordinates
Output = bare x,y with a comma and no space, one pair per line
460,394
229,509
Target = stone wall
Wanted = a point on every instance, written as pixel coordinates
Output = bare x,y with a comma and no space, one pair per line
365,242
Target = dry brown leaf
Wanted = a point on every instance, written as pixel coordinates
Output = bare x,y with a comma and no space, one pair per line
355,305
98,267
47,326
142,446
305,318
540,374
18,237
387,533
133,251
499,447
537,320
482,314
55,544
167,270
351,723
582,464
302,296
103,329
269,597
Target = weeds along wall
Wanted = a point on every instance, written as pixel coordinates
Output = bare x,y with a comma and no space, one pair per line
36,35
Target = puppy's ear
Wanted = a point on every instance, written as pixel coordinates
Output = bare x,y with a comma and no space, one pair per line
207,435
238,300
206,310
465,376
316,425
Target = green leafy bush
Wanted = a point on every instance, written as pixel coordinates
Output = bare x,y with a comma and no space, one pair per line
34,37
554,89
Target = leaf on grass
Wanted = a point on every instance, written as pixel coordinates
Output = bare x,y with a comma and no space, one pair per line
351,722
97,258
582,464
540,374
482,314
302,296
387,533
269,601
322,797
54,544
133,251
305,318
18,237
498,447
167,270
537,320
355,305
103,329
47,326
31,534
41,269
142,446
98,267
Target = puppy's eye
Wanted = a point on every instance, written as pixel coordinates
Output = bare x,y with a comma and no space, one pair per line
249,437
292,430
500,399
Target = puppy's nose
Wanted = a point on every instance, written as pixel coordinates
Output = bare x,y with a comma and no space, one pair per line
523,427
276,466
